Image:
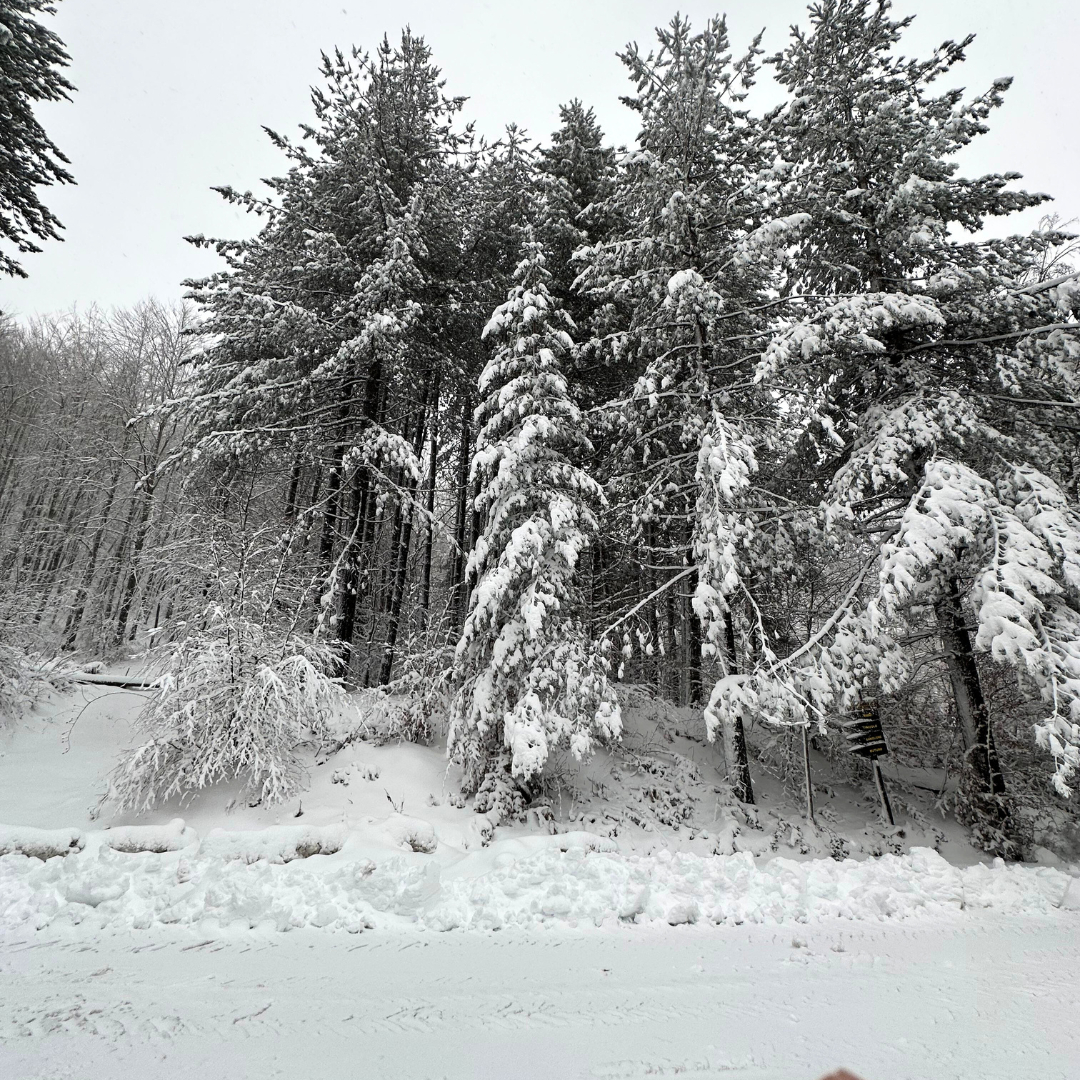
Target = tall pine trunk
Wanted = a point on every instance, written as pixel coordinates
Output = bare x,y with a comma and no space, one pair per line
429,532
461,523
358,539
402,545
734,736
971,710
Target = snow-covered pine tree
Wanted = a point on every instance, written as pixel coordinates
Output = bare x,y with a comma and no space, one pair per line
926,374
526,678
316,349
377,465
676,284
578,169
500,202
31,60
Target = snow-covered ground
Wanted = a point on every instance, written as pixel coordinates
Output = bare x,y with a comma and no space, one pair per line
637,926
974,996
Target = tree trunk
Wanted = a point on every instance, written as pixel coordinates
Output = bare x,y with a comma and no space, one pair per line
971,707
350,580
402,543
429,535
358,539
693,659
330,514
116,564
734,736
291,497
78,608
128,594
672,672
461,524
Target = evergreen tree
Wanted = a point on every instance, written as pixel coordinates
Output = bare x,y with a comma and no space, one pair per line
527,680
579,171
925,373
676,285
31,59
499,204
332,327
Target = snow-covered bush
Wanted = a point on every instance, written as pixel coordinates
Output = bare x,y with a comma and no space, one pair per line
236,700
12,695
21,681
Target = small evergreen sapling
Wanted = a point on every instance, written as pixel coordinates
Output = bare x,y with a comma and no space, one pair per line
527,680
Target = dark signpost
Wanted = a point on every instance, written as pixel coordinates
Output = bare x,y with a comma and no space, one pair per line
866,739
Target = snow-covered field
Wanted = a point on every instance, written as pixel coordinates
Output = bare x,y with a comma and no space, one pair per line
603,938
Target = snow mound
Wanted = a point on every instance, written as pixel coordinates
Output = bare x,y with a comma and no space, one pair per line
156,838
39,843
291,877
411,833
282,844
676,888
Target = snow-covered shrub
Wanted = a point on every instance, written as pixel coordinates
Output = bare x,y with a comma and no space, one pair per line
12,695
236,700
409,710
22,682
500,793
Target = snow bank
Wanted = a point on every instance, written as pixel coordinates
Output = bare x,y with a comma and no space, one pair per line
282,844
39,843
683,888
289,877
156,838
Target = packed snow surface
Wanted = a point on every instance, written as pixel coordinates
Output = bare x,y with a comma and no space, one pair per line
966,996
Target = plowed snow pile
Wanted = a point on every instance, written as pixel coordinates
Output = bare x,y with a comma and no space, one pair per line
278,879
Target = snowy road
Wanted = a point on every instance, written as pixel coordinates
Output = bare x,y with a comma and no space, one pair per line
973,996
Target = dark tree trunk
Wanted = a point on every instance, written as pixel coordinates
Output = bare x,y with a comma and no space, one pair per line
693,660
128,593
734,735
402,544
78,607
350,579
971,710
116,564
291,498
429,534
358,540
672,665
461,524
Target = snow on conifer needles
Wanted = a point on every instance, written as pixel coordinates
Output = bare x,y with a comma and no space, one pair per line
528,680
1021,539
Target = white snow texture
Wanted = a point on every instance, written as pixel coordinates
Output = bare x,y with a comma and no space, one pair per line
285,878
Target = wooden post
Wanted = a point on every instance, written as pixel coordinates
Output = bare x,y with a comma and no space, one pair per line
868,740
806,774
886,806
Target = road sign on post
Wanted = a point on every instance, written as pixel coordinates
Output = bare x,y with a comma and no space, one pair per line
866,739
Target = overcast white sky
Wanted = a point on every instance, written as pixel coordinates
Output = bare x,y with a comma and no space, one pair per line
172,95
